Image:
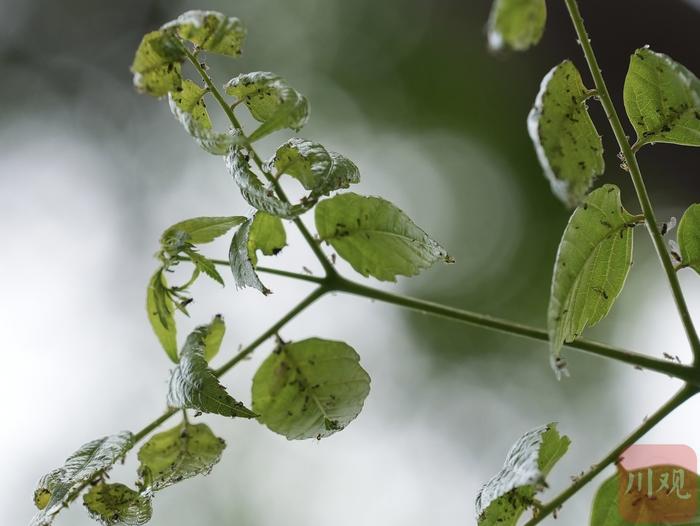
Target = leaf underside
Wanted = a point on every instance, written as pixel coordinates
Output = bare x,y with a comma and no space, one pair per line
117,505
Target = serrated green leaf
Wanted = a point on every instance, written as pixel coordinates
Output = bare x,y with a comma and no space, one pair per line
194,386
504,498
314,167
310,389
211,31
157,64
243,259
117,505
517,24
689,238
187,105
197,231
204,264
57,487
180,453
594,257
375,237
567,144
270,100
256,193
161,311
662,99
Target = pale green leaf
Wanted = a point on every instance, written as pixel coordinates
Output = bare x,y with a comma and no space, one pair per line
267,235
689,238
504,498
161,311
270,100
188,106
194,386
204,264
567,144
662,99
157,64
214,336
375,237
310,389
211,31
91,460
594,257
256,193
117,505
180,453
197,231
517,24
242,253
314,167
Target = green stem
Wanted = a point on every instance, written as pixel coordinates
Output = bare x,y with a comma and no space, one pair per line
681,396
275,271
315,247
635,173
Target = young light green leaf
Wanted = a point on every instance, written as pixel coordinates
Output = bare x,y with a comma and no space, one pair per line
60,485
194,386
157,64
271,101
314,167
504,498
211,31
204,264
567,144
689,238
197,231
375,237
117,505
256,193
594,257
161,311
310,389
214,336
180,453
662,99
188,106
517,24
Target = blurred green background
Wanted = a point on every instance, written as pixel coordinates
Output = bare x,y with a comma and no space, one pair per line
91,173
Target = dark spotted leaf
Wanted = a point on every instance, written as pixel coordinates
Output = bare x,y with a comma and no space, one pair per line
689,238
594,257
161,311
662,99
117,505
157,64
271,101
375,237
180,453
194,386
211,31
517,24
566,141
504,498
310,389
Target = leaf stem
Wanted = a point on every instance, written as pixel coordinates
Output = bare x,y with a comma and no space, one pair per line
681,396
635,173
228,110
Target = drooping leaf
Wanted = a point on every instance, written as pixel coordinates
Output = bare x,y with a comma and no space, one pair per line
689,238
594,257
180,453
157,64
517,24
255,192
310,389
194,386
197,231
662,99
117,505
92,459
160,311
204,264
567,144
271,101
214,336
314,167
375,237
637,506
504,498
211,31
187,105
